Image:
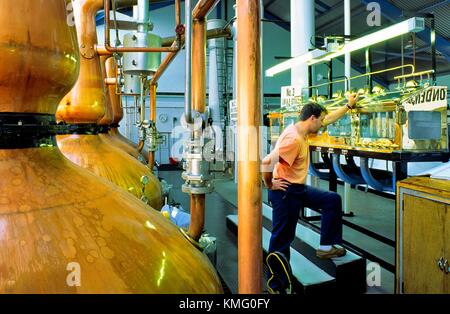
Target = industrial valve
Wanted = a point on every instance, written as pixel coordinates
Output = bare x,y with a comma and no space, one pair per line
154,139
196,166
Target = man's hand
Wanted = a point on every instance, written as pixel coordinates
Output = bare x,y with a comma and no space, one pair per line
279,184
352,99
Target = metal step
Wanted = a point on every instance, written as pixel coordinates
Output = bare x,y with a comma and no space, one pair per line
310,279
349,270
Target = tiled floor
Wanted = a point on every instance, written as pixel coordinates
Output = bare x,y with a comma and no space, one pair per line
371,211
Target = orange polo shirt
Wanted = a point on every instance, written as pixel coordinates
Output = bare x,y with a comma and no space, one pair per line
294,149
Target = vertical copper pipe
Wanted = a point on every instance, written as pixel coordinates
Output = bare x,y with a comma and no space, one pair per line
107,119
199,65
177,13
198,79
249,118
197,215
152,115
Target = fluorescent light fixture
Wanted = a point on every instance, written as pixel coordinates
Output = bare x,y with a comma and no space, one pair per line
415,24
291,63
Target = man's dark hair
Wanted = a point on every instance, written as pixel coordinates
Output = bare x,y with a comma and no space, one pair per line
311,109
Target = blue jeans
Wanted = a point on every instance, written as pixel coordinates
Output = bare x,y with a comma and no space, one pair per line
286,207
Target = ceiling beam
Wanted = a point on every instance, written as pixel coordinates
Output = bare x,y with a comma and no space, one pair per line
428,8
279,21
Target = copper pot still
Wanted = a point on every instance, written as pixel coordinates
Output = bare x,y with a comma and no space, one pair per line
86,104
63,229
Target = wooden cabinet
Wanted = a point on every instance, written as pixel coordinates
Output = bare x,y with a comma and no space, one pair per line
423,236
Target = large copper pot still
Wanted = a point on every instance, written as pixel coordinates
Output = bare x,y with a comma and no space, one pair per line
85,104
63,229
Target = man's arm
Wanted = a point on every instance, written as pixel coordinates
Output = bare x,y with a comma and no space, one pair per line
339,113
268,164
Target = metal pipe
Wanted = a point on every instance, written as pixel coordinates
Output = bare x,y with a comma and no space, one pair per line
101,51
249,118
366,74
197,206
140,145
152,117
198,102
379,185
177,13
210,34
187,91
351,178
130,49
142,100
111,80
162,67
198,77
202,8
143,16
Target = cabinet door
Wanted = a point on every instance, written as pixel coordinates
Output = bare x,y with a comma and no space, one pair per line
423,244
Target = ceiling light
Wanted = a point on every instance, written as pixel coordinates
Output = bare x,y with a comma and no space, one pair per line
415,24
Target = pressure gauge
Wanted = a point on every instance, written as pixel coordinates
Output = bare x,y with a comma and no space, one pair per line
163,118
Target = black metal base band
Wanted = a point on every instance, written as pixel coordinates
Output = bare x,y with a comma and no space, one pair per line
83,128
25,130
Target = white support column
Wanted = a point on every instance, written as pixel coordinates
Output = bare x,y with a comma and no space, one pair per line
347,31
302,30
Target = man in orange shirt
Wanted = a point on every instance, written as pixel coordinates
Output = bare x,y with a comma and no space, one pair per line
288,192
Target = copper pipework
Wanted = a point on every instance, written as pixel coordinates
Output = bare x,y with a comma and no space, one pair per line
198,76
140,145
202,8
114,104
152,117
197,211
198,102
109,48
162,67
108,117
101,51
210,34
63,229
249,176
115,99
111,81
177,13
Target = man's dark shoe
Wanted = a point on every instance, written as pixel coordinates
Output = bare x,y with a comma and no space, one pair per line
280,281
332,253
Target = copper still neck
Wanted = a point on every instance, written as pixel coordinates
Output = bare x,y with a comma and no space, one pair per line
86,101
